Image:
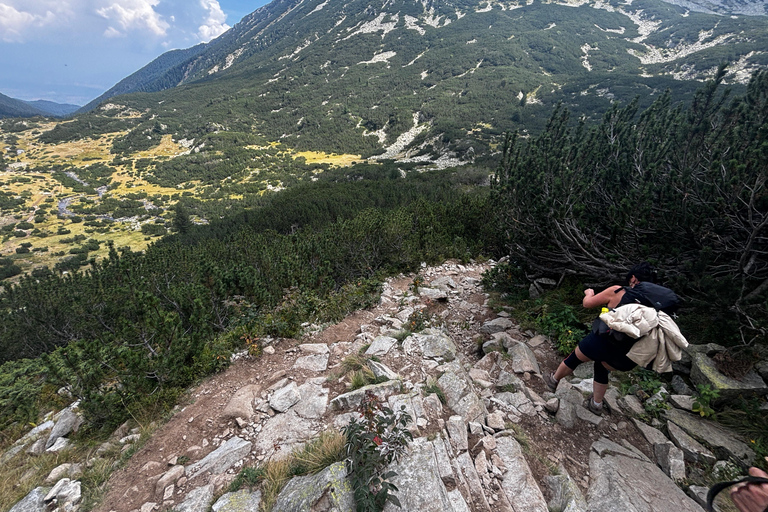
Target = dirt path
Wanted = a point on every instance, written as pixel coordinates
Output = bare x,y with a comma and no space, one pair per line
199,426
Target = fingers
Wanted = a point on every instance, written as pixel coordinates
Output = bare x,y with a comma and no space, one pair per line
751,497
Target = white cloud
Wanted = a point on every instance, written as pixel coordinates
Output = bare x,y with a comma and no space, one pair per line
215,24
134,15
16,22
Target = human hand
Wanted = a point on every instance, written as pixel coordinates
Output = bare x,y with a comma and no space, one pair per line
751,497
589,292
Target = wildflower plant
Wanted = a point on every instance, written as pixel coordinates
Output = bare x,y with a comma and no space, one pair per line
374,441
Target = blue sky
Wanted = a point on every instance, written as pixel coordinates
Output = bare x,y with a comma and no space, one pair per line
71,51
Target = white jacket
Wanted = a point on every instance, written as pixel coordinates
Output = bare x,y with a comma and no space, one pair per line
658,336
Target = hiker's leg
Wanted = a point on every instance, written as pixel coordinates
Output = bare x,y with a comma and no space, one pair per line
570,363
600,384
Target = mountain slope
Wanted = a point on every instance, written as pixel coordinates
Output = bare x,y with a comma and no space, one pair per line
10,107
155,76
373,79
52,108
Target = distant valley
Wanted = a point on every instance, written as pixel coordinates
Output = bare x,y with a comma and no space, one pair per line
300,87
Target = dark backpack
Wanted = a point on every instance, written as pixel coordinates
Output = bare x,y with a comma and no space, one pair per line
652,295
648,294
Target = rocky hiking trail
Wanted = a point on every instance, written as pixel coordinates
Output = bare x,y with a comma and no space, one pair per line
500,442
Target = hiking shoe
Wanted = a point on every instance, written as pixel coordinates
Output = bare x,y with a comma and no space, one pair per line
549,380
591,407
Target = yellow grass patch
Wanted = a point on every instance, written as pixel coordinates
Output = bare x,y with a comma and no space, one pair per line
318,157
166,148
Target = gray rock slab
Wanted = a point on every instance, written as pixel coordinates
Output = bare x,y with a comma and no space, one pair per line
491,346
285,397
32,502
692,449
68,422
58,473
459,394
721,441
241,403
381,346
313,362
222,458
621,481
433,293
585,415
523,359
652,435
566,495
518,484
240,501
671,460
38,431
445,283
65,491
436,345
466,468
457,432
497,325
60,444
380,370
566,413
418,480
286,431
353,399
314,348
328,490
632,405
197,500
680,387
704,372
314,401
170,477
509,381
612,396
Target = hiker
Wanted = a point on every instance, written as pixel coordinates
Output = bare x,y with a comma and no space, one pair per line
751,497
608,349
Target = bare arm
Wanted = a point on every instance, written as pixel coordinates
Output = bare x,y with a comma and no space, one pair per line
607,297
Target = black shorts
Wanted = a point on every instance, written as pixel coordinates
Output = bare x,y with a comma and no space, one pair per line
603,348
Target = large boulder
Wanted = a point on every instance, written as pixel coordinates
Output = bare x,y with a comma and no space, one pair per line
725,444
69,421
418,480
32,502
704,372
221,459
437,345
326,491
197,500
241,403
459,394
240,501
621,480
518,484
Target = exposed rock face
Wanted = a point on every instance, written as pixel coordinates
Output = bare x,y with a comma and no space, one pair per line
197,500
285,397
68,421
435,344
418,480
221,459
241,404
459,394
704,372
621,480
327,491
566,495
518,483
32,502
721,441
353,399
240,501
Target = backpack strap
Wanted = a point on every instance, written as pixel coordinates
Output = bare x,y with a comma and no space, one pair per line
721,486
